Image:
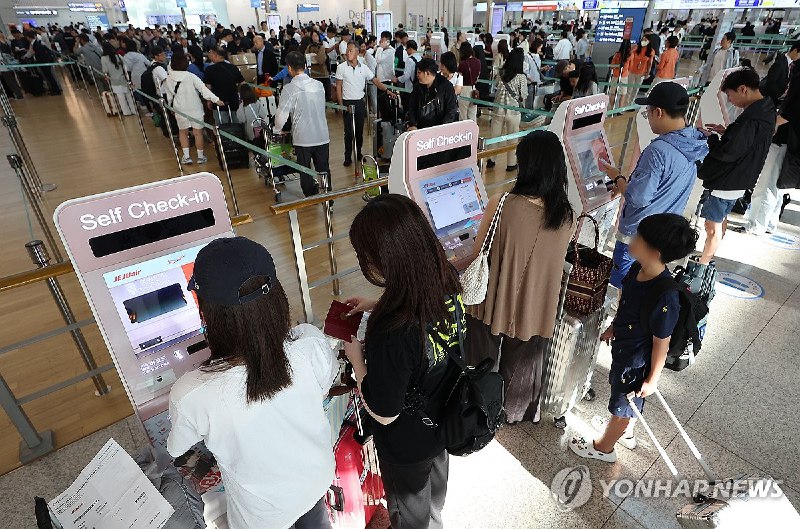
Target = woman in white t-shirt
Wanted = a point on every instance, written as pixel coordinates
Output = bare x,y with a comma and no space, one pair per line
448,67
257,403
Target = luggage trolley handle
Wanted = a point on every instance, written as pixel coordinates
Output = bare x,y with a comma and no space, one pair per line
219,114
712,478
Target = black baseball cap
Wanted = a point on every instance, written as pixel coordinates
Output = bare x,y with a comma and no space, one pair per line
225,264
667,95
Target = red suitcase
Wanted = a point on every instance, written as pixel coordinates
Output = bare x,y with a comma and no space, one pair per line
357,489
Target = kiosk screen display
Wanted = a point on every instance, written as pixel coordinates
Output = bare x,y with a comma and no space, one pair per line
153,304
455,208
589,148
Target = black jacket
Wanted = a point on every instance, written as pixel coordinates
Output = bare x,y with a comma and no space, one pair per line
735,160
269,61
790,107
434,105
774,84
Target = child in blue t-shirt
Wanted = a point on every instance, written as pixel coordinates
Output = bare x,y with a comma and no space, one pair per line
638,354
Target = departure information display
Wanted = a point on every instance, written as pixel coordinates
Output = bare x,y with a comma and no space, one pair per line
615,25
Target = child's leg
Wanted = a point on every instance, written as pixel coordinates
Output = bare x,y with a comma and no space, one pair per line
617,427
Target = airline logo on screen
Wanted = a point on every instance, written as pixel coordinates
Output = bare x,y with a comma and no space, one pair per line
589,107
442,141
137,210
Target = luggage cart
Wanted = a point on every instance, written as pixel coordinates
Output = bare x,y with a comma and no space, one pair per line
280,144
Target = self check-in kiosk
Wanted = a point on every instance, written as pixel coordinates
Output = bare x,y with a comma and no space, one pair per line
133,251
438,168
579,124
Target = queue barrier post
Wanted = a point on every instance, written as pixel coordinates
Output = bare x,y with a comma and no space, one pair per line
327,207
300,266
165,115
15,162
137,111
41,258
481,147
224,161
116,100
83,79
10,121
33,444
96,83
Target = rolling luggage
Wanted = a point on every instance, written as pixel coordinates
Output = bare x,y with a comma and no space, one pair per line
739,502
110,104
32,82
569,358
236,154
357,489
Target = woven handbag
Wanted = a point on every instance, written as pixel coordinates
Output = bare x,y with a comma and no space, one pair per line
475,279
591,271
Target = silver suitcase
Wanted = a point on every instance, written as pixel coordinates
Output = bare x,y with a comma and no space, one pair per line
569,359
741,502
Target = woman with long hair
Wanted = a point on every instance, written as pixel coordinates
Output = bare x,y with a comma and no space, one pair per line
512,91
470,68
114,70
639,63
317,56
136,64
256,403
586,84
500,57
399,252
525,272
619,73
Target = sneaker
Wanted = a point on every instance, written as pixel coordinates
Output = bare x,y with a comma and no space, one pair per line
510,168
490,163
586,449
202,159
186,161
599,423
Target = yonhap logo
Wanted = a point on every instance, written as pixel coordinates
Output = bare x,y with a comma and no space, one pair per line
572,487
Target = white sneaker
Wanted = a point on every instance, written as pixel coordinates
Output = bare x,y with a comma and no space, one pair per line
586,449
186,160
202,159
600,423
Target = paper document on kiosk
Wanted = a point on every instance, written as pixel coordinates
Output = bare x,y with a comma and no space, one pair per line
111,492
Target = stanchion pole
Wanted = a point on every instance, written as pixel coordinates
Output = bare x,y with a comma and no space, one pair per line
37,186
83,79
96,85
224,161
169,131
40,258
138,112
325,186
481,163
16,163
33,445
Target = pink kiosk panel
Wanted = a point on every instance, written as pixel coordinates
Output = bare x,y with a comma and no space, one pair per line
437,168
134,251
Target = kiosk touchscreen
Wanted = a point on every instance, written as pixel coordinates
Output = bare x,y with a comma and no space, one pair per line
134,252
438,168
579,122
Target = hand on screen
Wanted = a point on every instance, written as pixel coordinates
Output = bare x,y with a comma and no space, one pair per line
607,168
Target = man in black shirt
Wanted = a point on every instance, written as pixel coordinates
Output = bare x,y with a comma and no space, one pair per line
224,79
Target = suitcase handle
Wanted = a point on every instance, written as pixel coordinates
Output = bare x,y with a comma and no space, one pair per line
336,498
712,478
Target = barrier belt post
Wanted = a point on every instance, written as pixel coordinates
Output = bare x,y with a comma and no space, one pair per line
96,84
33,445
626,141
40,258
325,186
356,161
16,164
300,266
10,121
83,79
117,101
137,111
165,114
224,161
481,147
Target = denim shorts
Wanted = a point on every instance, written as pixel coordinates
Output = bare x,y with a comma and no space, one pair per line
717,209
624,380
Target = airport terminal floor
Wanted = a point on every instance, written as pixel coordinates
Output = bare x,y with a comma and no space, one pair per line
739,402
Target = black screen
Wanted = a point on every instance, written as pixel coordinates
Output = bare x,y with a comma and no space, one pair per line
440,158
127,239
594,119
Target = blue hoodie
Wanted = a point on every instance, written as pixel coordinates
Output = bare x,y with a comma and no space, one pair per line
663,178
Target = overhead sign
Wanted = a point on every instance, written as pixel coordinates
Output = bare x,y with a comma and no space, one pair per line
616,25
307,8
86,8
590,5
738,286
36,12
180,3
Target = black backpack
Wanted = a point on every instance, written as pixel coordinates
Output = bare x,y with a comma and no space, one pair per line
686,339
148,83
466,406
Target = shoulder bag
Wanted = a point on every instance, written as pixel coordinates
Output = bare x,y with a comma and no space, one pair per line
475,279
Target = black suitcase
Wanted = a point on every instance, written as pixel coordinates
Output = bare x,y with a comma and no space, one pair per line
236,155
32,82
